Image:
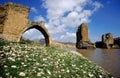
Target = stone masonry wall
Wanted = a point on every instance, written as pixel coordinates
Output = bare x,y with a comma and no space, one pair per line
2,18
107,40
83,41
16,22
82,32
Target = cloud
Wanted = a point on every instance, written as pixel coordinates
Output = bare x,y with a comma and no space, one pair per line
97,5
66,15
68,37
33,34
33,9
57,8
39,18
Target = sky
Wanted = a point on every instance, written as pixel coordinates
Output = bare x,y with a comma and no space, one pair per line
62,17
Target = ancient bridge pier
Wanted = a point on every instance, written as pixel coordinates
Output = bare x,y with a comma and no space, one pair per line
107,40
14,22
82,39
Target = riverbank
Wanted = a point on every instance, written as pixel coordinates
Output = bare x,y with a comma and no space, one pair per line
33,60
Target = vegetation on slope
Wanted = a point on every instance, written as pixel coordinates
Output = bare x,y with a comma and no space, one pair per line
32,60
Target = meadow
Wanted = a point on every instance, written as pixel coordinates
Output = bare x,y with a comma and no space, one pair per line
33,60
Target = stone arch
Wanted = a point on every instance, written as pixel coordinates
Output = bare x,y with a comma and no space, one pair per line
14,22
41,27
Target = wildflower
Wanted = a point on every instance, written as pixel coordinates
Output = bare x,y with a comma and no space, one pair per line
39,69
44,59
21,74
11,59
38,74
84,72
62,70
7,74
37,64
5,66
73,65
13,54
100,76
2,55
59,76
67,71
13,66
25,52
58,59
48,71
27,56
91,75
18,58
22,63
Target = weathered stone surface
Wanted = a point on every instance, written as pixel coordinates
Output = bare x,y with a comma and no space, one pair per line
2,18
41,27
14,22
14,18
83,41
107,40
82,32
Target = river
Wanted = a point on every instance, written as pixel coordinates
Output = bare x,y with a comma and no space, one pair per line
108,59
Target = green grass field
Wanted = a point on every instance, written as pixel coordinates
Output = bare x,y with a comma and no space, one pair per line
33,60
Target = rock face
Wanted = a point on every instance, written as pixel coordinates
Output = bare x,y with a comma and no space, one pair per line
107,40
83,41
14,22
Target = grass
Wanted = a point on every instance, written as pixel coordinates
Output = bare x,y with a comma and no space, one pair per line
32,60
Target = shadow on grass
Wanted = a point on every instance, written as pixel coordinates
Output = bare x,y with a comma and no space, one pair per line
2,71
2,58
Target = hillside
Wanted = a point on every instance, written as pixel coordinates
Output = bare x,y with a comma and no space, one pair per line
32,60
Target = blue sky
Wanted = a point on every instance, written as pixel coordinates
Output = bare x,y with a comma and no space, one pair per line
62,17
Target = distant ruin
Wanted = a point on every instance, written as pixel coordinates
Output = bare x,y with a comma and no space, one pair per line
14,22
82,40
108,41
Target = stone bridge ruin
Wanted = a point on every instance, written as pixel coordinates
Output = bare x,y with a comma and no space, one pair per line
107,40
82,40
14,22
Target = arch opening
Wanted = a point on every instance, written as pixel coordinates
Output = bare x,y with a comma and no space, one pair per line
44,35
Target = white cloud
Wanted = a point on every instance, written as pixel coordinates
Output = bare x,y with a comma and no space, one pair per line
97,5
64,16
55,29
38,18
57,8
68,14
33,34
68,37
33,9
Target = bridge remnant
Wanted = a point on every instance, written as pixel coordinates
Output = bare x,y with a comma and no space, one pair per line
107,40
83,41
14,22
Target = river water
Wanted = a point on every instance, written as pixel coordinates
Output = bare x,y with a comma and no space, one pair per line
108,59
